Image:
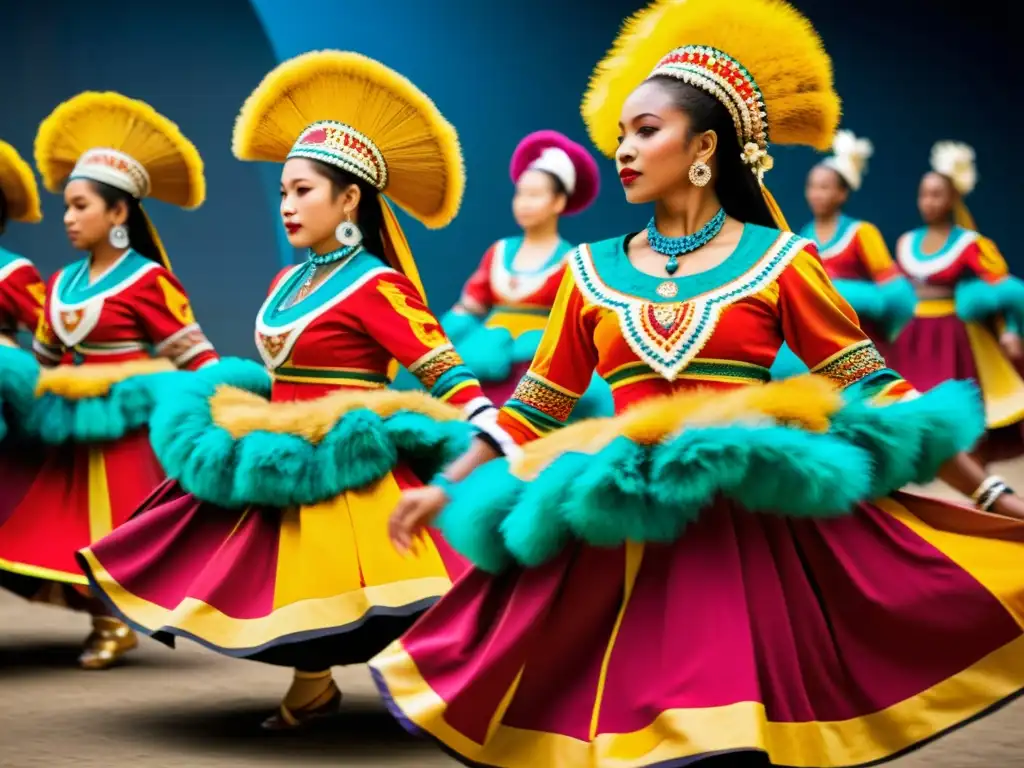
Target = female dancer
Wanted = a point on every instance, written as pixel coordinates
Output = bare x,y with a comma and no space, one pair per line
273,544
21,287
971,311
102,317
664,586
855,255
498,321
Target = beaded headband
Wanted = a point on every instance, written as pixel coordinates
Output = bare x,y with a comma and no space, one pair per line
344,147
728,81
109,166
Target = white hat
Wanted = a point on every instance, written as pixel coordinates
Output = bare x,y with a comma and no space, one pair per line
110,166
955,161
557,162
849,157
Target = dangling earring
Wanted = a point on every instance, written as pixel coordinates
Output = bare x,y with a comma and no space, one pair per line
700,174
118,236
349,234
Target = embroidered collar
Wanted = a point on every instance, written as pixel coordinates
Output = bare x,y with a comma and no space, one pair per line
667,322
920,265
846,230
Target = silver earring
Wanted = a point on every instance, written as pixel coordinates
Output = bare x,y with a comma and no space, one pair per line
118,236
349,234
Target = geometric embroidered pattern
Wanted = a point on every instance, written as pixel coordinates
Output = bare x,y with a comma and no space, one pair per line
435,364
668,336
852,364
538,394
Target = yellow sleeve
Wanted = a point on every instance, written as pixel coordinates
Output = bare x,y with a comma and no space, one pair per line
560,372
875,255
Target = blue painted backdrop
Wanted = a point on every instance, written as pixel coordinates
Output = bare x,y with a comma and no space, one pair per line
910,73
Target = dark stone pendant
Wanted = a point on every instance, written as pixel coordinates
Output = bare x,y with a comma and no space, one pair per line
672,265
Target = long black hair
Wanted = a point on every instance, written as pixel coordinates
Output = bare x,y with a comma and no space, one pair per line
369,215
140,238
737,188
3,212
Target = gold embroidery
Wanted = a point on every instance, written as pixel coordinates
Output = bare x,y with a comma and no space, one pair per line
176,301
44,332
181,345
423,324
536,393
435,365
852,364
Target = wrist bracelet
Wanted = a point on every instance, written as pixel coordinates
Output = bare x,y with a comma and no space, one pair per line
990,497
986,485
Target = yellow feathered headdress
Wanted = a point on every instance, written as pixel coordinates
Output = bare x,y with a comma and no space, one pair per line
123,142
355,113
761,58
18,185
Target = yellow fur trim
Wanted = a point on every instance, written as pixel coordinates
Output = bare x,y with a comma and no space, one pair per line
807,401
771,39
78,382
18,184
91,120
239,412
426,174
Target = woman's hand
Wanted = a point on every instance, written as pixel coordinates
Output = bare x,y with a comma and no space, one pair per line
417,508
1011,344
1009,505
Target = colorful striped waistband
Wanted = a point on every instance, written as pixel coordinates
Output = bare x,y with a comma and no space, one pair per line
341,377
707,369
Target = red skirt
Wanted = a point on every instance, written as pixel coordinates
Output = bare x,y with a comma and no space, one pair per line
57,500
931,350
812,643
310,587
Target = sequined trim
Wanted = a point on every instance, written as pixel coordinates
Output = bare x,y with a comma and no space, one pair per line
852,364
435,364
537,393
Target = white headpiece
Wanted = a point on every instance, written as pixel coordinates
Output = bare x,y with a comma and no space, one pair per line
557,162
849,157
109,166
955,161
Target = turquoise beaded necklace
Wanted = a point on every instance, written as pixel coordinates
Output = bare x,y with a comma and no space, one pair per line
674,247
313,263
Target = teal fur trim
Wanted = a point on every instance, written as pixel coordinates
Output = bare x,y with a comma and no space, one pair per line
900,303
596,402
864,296
18,374
472,520
524,346
787,364
279,470
632,492
126,408
487,352
978,301
459,325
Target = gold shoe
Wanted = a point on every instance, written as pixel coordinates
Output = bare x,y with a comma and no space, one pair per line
109,642
326,704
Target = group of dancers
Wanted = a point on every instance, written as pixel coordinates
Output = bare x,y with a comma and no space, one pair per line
668,545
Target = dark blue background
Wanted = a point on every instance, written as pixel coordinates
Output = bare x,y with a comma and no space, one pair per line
911,72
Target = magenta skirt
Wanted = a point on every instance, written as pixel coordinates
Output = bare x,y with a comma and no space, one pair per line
931,350
806,642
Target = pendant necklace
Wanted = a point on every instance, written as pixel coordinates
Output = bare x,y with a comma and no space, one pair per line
674,247
315,261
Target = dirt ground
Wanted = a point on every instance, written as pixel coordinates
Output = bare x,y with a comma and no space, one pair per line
192,708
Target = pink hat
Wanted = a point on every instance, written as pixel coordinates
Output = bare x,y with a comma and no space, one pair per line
566,160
